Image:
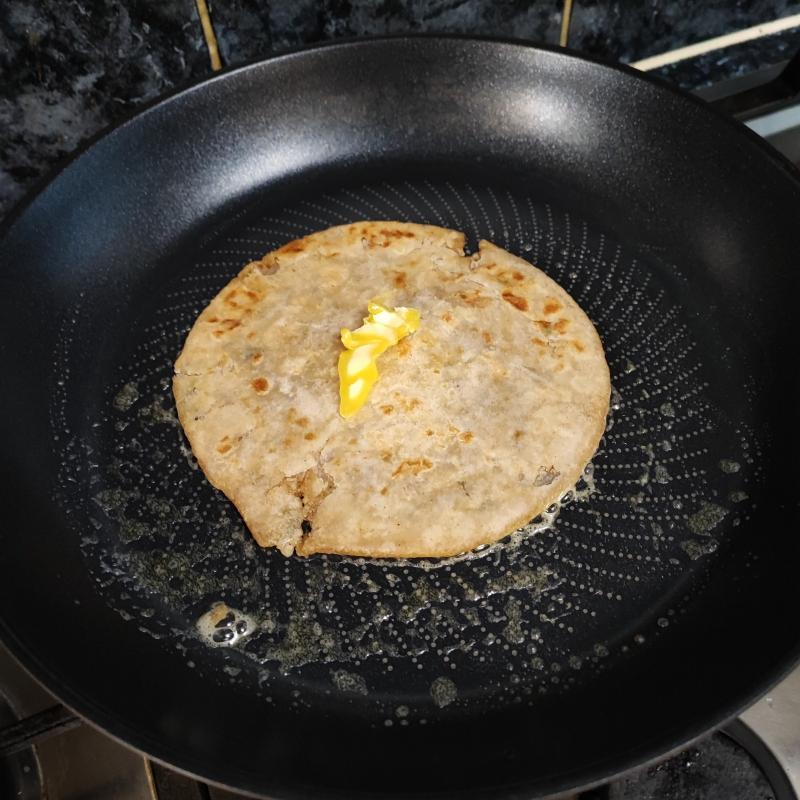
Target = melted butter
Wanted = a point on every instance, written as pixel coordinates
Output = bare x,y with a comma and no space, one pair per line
223,626
358,369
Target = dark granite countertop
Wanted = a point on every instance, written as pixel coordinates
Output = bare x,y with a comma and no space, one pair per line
69,69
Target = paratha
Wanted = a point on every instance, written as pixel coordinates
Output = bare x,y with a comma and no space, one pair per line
480,420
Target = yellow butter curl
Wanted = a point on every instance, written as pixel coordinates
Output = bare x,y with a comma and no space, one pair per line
358,368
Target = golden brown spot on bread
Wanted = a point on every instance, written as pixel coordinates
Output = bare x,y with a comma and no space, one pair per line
518,435
474,298
487,337
257,357
429,432
301,421
403,348
227,325
400,280
518,302
397,234
213,319
578,345
385,490
447,316
386,455
551,306
387,409
310,435
509,275
539,342
295,246
260,385
413,466
467,437
251,335
560,326
225,445
251,294
413,403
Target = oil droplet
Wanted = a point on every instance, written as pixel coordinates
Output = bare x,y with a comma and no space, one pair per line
223,626
661,475
707,517
348,682
443,692
695,549
126,397
667,409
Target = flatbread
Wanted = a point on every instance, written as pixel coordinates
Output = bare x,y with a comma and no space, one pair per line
479,421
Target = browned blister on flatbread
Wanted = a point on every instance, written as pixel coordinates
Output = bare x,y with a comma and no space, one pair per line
479,421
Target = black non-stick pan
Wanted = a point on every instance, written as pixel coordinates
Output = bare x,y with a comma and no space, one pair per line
654,603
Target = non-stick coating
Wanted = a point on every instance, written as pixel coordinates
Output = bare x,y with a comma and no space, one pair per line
657,606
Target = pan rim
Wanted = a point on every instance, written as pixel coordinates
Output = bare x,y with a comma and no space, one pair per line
593,774
186,88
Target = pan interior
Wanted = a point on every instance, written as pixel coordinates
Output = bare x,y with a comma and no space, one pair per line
601,579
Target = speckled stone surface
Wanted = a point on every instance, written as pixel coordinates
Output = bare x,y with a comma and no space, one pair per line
731,62
310,20
628,30
69,69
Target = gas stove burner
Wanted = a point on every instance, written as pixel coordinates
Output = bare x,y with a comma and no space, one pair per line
733,764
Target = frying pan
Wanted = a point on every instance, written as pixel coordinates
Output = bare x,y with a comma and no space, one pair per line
658,604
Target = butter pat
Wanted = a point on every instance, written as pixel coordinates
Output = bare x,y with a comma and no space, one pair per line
358,369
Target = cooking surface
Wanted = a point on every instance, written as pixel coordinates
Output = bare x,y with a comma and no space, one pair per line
672,479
